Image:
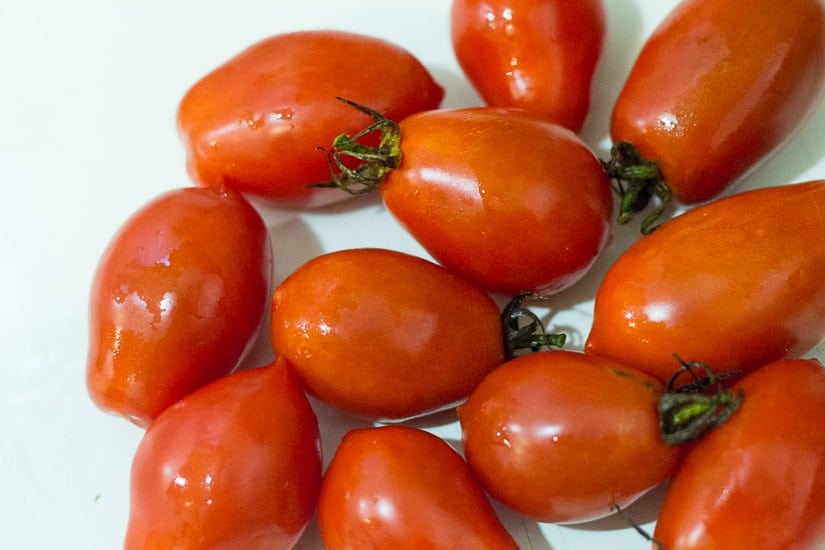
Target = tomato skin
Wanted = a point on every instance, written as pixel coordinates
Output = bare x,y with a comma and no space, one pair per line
383,334
536,55
507,201
401,487
255,122
719,86
736,283
561,436
234,465
177,297
768,460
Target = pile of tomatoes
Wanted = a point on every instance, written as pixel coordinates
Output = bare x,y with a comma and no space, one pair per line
692,374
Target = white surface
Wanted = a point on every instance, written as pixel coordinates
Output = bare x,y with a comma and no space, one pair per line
88,93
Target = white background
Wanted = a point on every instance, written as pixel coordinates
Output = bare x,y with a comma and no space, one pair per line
88,93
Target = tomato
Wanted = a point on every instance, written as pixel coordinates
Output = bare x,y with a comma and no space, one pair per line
719,86
234,465
758,480
539,55
402,487
507,201
254,123
736,283
383,334
561,436
177,297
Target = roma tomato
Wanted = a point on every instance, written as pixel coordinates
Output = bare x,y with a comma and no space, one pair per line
718,87
401,487
385,335
758,480
507,201
736,283
234,465
177,297
563,437
539,55
255,122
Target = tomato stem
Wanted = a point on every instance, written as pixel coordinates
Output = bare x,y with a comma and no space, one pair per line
523,336
687,413
636,180
374,161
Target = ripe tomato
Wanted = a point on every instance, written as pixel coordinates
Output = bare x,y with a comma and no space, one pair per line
561,436
736,283
234,465
758,480
255,122
177,297
719,86
507,201
401,487
386,335
539,55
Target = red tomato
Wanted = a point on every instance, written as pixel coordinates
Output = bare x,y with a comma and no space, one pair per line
507,201
234,465
539,55
401,487
386,335
735,284
255,122
561,436
719,86
177,298
757,481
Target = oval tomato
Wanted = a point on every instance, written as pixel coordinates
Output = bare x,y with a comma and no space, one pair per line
177,297
561,436
234,465
758,480
401,487
719,86
736,283
386,335
536,55
255,122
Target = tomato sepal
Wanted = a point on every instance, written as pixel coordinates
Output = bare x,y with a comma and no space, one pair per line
532,335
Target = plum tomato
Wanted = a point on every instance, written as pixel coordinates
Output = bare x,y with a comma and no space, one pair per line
538,55
177,297
234,465
564,437
254,123
402,487
735,283
385,335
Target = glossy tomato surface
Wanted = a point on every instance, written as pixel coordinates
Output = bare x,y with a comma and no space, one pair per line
562,436
736,284
537,55
758,480
255,122
235,465
505,200
718,86
177,297
401,487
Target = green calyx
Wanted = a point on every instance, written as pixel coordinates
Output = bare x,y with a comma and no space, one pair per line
523,330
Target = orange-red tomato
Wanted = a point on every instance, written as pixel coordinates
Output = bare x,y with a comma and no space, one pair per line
235,465
176,299
401,487
386,335
539,55
736,283
561,436
720,85
757,481
255,122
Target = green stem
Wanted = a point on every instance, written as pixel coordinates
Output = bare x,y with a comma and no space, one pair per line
531,335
